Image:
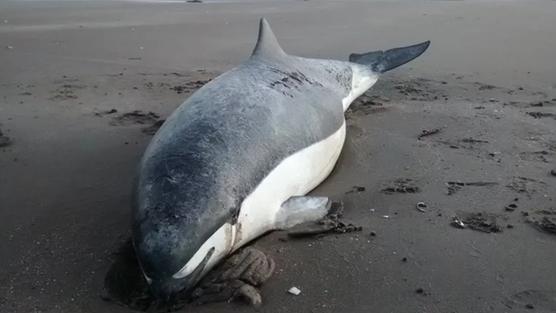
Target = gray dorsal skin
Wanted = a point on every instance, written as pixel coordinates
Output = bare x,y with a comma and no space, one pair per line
216,148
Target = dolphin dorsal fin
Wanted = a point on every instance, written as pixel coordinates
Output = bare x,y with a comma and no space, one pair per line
267,46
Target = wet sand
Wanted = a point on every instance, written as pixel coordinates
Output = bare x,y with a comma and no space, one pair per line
81,81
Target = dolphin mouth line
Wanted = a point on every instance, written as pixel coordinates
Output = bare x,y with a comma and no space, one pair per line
199,268
189,281
221,242
169,288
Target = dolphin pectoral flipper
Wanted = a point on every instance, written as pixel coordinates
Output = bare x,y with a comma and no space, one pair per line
301,209
383,61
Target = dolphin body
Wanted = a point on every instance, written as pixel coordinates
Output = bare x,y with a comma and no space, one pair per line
235,160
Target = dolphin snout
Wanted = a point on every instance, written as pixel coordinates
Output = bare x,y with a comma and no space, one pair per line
165,288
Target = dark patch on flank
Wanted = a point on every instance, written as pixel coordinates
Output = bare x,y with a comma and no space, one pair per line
294,79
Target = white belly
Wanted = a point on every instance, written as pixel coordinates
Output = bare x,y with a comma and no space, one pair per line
294,176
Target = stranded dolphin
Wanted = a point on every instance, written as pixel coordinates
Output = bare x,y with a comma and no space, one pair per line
237,157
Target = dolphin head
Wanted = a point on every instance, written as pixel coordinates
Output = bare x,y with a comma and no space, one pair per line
181,222
175,252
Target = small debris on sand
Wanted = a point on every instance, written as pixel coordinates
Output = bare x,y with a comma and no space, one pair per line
473,140
408,88
330,224
525,185
107,112
189,86
428,132
4,140
401,185
421,207
542,300
421,291
457,222
542,114
66,92
553,172
510,207
483,86
151,130
477,221
543,220
455,186
294,291
365,100
535,156
355,189
135,117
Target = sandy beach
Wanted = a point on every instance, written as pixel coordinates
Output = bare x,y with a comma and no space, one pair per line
470,126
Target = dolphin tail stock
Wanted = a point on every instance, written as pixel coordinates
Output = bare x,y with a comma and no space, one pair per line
383,61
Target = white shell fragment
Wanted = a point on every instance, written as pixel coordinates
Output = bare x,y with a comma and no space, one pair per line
457,222
421,207
294,291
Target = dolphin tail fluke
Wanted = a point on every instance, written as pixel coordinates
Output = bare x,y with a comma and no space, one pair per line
299,209
383,61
